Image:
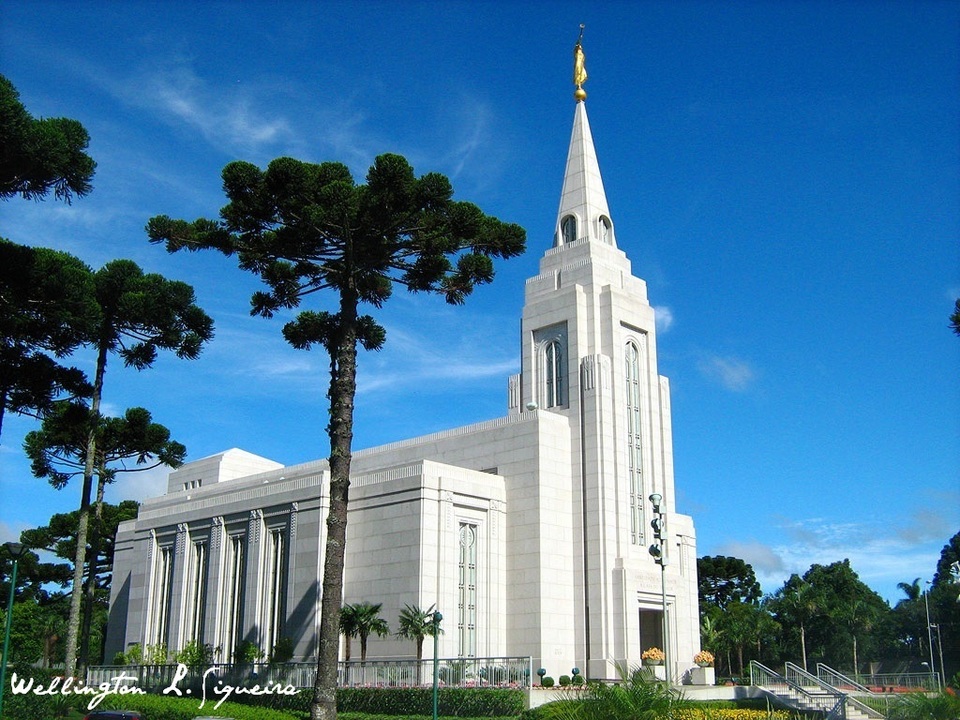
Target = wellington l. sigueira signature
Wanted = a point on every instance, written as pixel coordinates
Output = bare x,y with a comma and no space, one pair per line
124,684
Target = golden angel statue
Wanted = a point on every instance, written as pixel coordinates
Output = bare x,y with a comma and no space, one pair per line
579,71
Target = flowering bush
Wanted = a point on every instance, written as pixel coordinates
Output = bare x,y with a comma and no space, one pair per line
653,653
704,657
697,713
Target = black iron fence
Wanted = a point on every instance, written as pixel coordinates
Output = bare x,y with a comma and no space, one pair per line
451,672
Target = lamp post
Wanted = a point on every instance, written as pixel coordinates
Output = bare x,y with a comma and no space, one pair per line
658,551
437,617
926,603
943,672
16,551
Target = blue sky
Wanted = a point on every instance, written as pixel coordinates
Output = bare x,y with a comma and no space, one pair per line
784,175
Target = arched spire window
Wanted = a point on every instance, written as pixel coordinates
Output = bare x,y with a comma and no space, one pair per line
553,374
568,229
606,230
550,363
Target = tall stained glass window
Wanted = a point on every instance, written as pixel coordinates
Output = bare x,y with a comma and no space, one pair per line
467,590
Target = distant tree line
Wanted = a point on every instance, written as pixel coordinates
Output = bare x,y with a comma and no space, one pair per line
828,615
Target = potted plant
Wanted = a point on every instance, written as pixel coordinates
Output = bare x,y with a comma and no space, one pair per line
704,658
652,656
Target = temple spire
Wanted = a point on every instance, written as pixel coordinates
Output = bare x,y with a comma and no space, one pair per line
583,213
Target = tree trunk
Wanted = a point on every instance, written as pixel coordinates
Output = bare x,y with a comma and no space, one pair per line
343,387
3,407
419,660
90,589
803,646
80,559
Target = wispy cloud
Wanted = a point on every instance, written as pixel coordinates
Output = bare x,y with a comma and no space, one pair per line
225,116
473,134
10,530
731,372
138,485
413,358
882,556
664,318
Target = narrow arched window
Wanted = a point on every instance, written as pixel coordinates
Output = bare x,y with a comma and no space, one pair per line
634,406
606,230
553,374
568,229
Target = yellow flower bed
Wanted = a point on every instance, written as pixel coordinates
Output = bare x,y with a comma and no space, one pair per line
730,714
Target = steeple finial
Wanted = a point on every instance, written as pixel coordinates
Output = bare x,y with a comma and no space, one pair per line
579,71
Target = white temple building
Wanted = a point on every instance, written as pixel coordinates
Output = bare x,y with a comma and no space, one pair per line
529,532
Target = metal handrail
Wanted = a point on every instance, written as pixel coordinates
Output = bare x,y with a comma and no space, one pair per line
904,680
801,674
453,672
836,678
830,703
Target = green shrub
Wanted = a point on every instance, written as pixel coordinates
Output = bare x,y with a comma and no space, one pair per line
247,652
195,654
283,651
153,654
564,680
546,681
578,680
133,655
35,707
161,707
636,695
452,702
920,706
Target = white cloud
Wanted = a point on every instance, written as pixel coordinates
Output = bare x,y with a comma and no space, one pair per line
224,116
762,558
10,530
411,358
731,372
664,318
882,556
138,485
474,133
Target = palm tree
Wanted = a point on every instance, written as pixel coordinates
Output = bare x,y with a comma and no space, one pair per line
911,590
803,604
416,624
710,635
363,620
348,628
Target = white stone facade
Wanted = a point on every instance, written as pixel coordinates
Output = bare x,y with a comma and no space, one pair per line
529,532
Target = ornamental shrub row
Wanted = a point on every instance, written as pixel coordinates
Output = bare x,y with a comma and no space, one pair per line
162,707
708,712
700,713
451,702
32,707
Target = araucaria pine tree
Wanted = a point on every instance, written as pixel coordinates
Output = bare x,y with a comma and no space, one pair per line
305,228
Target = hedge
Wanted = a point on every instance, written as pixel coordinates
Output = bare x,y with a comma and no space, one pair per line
162,707
451,702
706,712
34,707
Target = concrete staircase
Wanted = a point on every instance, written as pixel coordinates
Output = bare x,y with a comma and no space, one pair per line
798,689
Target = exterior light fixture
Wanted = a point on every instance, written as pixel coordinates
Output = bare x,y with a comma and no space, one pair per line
658,552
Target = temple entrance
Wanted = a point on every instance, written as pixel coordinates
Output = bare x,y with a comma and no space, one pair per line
651,629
